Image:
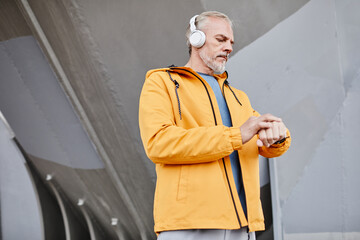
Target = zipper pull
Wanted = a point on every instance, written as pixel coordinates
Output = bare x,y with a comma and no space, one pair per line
176,84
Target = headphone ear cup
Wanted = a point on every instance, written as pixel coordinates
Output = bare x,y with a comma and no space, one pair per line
197,38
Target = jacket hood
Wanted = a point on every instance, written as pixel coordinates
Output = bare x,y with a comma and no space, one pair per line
185,71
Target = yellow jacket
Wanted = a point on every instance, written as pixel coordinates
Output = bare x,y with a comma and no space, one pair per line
182,133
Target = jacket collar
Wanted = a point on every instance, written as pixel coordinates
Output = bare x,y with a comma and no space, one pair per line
189,71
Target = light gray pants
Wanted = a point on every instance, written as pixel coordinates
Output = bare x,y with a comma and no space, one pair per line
207,234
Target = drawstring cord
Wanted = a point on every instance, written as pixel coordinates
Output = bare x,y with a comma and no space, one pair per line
177,95
227,84
176,92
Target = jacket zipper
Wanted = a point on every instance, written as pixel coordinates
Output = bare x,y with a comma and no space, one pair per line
223,160
176,92
212,106
223,92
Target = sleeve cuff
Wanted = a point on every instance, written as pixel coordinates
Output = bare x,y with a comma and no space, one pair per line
236,139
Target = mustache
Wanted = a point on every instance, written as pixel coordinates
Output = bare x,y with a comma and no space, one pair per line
226,55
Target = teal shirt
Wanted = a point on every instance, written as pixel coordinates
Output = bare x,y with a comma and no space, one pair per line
226,119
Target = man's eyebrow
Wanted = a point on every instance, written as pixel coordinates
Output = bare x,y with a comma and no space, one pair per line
223,36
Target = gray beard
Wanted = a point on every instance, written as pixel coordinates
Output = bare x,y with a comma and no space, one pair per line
216,67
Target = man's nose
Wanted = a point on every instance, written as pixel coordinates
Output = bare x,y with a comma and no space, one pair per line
228,47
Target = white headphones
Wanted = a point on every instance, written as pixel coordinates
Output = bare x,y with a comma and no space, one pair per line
197,38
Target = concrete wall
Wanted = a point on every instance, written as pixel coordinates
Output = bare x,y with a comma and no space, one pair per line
296,59
307,70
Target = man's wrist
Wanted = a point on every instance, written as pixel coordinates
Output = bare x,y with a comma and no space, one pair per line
280,141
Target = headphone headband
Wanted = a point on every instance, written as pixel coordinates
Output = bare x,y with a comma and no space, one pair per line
192,23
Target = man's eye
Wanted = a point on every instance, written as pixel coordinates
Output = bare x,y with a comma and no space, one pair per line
221,40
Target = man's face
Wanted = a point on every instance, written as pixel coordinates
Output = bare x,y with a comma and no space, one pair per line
218,45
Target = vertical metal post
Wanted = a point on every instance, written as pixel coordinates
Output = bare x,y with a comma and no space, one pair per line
275,200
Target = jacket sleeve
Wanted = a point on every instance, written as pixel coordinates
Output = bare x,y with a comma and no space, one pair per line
167,143
275,150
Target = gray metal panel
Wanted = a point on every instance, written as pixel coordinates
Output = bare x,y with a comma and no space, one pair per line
348,18
21,216
34,103
12,24
264,171
306,70
46,122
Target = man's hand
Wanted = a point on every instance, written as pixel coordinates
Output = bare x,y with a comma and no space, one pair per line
271,135
255,125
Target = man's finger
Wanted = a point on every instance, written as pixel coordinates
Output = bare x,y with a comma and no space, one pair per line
276,131
282,131
269,118
264,125
263,137
269,136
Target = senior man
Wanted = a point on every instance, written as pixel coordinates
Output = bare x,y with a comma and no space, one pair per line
205,139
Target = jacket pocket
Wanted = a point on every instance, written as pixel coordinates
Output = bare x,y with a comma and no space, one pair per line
183,183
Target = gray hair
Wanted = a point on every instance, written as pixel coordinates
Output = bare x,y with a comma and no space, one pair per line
201,21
